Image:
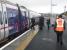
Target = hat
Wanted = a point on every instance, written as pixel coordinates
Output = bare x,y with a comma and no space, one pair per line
60,16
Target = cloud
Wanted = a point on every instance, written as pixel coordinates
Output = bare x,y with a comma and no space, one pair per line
43,6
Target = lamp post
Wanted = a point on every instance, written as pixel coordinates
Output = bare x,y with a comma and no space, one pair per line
65,8
52,8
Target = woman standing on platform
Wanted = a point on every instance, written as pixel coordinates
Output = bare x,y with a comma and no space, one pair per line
48,23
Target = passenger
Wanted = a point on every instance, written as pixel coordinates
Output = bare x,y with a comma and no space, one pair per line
41,22
59,28
32,23
48,23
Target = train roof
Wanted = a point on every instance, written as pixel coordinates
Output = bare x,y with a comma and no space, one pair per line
11,5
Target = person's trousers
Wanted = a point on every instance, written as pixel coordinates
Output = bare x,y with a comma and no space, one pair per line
59,36
48,27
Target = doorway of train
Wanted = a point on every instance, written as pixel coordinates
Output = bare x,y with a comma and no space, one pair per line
3,22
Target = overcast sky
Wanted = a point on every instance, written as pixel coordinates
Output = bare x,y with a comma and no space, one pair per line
43,6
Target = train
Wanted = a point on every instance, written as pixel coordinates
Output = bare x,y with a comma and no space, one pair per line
14,19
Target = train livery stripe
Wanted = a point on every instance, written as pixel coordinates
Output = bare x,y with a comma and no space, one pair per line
6,27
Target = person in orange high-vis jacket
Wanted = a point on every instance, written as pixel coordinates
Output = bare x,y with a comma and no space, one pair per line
59,28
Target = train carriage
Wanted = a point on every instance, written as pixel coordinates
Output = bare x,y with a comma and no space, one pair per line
14,20
25,23
12,12
4,31
10,20
17,19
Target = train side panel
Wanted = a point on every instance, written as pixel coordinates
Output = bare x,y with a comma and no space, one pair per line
12,19
24,19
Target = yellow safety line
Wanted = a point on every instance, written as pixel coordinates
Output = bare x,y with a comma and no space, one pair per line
24,43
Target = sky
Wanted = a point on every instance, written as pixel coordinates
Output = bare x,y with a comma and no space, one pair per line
43,6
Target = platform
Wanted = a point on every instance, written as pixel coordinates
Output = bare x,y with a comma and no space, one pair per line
22,41
37,40
46,40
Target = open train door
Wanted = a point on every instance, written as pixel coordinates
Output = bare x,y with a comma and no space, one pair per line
19,19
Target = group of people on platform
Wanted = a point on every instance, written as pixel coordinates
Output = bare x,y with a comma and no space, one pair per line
58,26
40,22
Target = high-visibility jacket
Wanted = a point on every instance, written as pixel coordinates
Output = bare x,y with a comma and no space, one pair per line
60,24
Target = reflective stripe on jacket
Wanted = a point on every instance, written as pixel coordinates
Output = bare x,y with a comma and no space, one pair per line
60,24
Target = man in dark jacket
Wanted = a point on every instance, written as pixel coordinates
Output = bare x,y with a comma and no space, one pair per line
48,23
32,23
41,22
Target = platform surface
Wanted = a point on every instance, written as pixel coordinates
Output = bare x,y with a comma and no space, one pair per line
46,40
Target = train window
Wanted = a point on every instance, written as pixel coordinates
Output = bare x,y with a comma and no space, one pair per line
14,13
9,12
23,14
27,14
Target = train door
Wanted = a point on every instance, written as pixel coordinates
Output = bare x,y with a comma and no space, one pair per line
27,16
3,25
28,19
1,34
